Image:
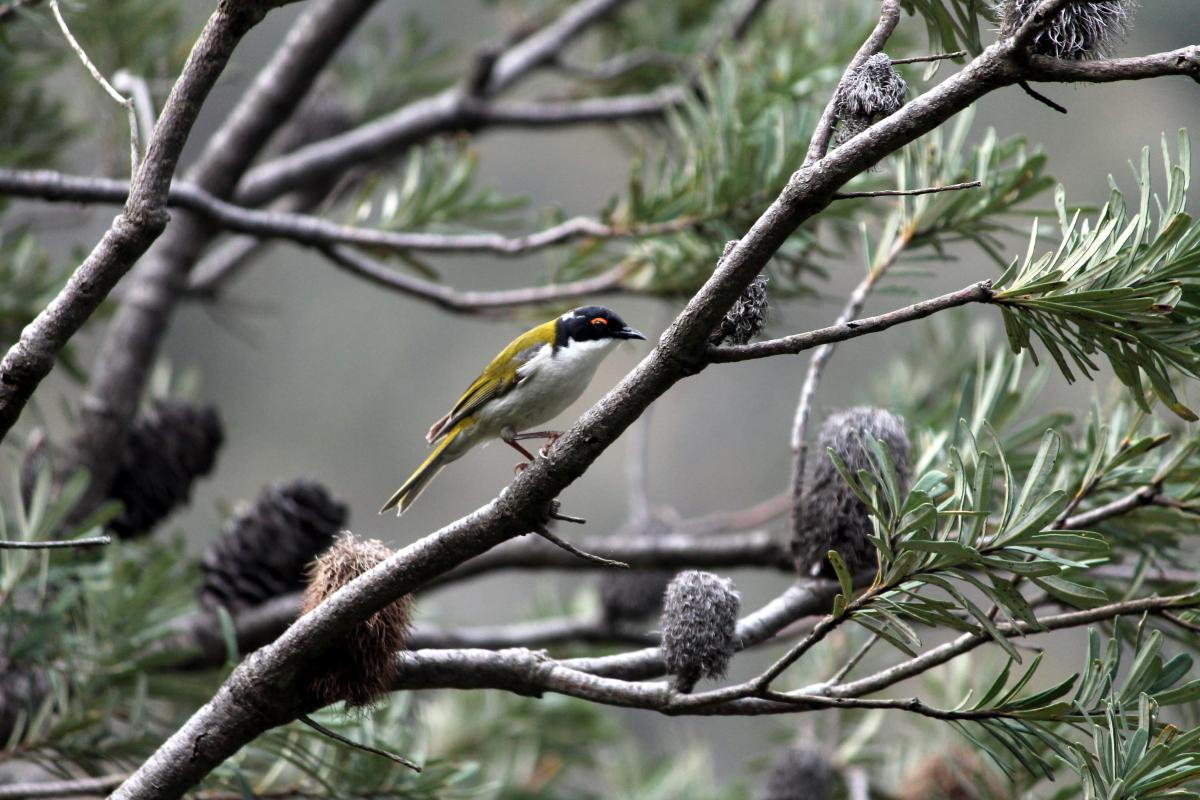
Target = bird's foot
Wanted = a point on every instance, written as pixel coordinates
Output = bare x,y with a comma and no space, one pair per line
551,438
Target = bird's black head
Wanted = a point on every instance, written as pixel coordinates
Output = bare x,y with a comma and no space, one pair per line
592,323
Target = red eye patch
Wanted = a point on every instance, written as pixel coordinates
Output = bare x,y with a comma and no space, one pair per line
599,322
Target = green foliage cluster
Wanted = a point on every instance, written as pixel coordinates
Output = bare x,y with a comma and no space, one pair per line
33,127
1121,287
30,279
392,65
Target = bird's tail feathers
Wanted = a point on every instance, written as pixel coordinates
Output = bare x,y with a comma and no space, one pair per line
430,467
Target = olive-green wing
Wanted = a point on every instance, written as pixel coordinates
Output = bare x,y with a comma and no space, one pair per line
496,380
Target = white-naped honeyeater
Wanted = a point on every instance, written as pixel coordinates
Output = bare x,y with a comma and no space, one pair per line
533,380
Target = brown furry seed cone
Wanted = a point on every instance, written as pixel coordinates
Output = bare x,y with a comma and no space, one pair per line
954,775
361,668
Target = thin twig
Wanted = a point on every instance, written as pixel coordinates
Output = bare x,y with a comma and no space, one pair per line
310,230
134,136
855,659
545,533
354,262
934,57
50,790
94,541
889,18
1175,619
953,187
791,345
743,519
1041,98
142,99
812,378
620,64
366,748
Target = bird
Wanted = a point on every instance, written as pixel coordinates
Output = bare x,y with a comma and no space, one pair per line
530,382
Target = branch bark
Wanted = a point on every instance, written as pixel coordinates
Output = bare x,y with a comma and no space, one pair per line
141,222
132,341
791,345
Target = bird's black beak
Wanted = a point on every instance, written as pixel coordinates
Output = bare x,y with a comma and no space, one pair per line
629,333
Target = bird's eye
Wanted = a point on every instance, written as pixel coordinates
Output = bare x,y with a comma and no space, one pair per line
599,322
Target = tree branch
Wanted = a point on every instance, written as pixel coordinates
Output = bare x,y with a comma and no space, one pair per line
94,541
140,223
309,230
449,299
791,345
121,100
51,790
953,187
527,673
812,378
889,18
198,642
132,340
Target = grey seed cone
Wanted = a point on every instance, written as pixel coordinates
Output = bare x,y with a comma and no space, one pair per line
1080,31
747,316
265,549
633,595
800,773
874,90
699,627
170,445
833,518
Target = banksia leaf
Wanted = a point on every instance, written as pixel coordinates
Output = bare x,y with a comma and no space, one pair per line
1081,30
170,445
834,518
699,627
265,549
800,773
361,668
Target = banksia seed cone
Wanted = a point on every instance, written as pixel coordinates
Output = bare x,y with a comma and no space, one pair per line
747,316
833,518
699,627
800,773
956,775
265,549
874,90
632,595
362,667
1081,30
170,445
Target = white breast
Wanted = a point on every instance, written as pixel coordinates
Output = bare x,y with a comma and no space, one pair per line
549,382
